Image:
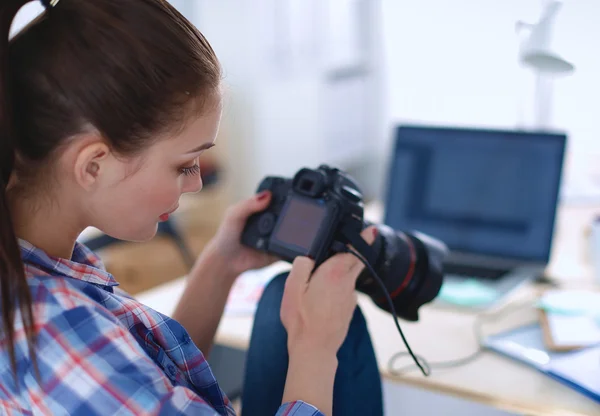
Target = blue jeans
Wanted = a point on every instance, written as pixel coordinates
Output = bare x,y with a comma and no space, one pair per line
357,386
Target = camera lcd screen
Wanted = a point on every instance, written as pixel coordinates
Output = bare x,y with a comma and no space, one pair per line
300,222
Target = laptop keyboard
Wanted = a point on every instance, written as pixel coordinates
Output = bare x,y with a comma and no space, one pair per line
473,271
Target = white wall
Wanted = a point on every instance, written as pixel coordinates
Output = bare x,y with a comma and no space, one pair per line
293,99
455,62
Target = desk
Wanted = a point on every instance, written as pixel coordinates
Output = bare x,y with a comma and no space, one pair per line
447,334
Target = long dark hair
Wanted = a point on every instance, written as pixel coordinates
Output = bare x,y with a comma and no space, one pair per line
130,69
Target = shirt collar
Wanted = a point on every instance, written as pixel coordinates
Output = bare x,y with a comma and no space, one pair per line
83,265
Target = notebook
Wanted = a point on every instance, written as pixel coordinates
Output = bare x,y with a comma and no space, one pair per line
570,319
579,369
568,332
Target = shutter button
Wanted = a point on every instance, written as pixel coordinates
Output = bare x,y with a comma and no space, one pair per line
352,194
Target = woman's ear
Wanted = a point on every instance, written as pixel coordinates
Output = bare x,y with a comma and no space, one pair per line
91,163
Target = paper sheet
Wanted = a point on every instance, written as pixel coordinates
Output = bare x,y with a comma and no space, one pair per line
573,330
248,288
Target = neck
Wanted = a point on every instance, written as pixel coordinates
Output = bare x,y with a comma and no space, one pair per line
48,226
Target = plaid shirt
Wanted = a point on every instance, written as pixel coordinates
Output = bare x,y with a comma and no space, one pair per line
100,352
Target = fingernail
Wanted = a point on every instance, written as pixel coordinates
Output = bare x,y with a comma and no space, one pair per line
261,196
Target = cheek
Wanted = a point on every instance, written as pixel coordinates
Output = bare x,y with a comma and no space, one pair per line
163,196
131,210
149,196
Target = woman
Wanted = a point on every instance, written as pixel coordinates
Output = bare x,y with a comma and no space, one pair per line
106,107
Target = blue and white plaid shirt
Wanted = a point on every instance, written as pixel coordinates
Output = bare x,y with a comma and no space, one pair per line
100,352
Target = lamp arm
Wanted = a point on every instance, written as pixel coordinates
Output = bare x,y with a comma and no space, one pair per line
520,25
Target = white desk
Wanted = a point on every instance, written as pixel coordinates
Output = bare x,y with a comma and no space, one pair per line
445,334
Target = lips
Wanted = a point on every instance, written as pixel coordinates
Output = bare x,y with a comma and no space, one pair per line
165,216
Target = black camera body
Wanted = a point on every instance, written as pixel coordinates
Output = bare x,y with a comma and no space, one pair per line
320,212
305,214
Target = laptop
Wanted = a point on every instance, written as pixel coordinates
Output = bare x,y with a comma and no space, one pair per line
490,195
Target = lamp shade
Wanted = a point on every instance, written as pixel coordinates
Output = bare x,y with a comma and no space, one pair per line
536,49
546,61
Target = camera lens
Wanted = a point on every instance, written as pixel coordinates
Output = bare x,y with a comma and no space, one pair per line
410,269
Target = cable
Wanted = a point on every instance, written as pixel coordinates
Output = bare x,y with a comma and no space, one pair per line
477,329
419,361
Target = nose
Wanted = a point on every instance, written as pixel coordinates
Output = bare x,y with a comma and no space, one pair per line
192,185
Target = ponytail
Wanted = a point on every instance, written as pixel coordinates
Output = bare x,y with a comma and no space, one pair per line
14,290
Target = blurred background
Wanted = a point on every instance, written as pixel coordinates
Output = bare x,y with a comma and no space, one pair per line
312,81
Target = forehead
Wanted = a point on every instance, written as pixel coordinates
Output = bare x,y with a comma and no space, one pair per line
200,129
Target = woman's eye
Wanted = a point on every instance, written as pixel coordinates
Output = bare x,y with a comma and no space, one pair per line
190,170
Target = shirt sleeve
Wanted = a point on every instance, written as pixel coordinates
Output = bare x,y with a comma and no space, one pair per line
298,409
90,365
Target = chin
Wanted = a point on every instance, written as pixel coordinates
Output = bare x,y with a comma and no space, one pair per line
141,235
148,234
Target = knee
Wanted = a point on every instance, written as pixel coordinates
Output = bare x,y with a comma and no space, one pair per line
270,300
358,337
273,292
358,324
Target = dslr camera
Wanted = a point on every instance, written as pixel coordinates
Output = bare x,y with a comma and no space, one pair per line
320,212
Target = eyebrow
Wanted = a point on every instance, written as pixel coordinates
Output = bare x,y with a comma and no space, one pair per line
205,146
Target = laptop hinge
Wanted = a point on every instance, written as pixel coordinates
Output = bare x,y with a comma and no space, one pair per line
492,262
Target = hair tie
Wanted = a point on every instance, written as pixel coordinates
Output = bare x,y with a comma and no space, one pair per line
48,4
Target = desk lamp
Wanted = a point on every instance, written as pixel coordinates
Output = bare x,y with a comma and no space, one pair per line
536,52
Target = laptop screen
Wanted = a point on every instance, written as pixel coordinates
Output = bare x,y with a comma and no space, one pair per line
480,191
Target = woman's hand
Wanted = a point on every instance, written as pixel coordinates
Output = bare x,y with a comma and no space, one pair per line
227,242
317,313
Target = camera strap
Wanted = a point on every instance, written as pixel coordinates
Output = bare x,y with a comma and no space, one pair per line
360,245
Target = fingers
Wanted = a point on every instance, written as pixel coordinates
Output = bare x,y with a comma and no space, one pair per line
242,210
349,262
347,265
272,259
341,269
369,234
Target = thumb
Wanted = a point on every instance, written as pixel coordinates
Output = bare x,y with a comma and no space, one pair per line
299,276
301,270
296,283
